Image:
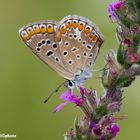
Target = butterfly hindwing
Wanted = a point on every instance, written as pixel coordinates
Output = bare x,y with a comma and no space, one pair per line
41,39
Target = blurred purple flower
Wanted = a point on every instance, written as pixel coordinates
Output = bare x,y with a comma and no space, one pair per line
82,90
114,130
96,130
69,97
105,127
114,6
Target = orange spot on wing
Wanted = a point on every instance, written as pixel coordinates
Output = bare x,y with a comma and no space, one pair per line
26,37
87,31
50,29
68,25
43,29
81,27
37,30
24,34
95,38
63,30
75,25
31,33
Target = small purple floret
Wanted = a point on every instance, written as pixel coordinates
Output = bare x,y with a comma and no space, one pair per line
82,91
114,130
69,97
113,7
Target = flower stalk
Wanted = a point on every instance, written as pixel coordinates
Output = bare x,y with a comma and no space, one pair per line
121,69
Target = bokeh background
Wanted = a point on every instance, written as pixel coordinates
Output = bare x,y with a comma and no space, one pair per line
25,81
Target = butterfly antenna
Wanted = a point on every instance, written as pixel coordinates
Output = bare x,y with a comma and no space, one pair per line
55,91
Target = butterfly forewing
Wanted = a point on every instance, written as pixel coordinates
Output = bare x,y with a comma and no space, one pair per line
41,39
78,43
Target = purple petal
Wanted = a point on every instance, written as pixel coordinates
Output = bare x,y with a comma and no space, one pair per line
66,94
82,90
69,96
59,107
115,129
114,6
93,125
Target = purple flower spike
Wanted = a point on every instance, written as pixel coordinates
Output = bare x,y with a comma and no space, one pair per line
113,7
69,97
114,130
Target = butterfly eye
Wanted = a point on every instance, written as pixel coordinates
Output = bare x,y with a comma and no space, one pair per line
43,28
75,23
71,84
36,29
50,28
30,31
25,35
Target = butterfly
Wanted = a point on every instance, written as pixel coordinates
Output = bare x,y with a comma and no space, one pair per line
70,46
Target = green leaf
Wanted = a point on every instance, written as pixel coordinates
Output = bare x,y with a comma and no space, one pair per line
120,55
138,15
101,110
105,82
136,39
78,129
126,22
137,3
124,81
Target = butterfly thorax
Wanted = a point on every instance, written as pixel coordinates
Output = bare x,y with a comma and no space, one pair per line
80,78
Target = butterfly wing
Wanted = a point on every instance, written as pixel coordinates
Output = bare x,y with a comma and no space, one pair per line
41,39
78,43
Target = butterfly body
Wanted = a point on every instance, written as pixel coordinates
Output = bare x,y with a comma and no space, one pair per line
70,47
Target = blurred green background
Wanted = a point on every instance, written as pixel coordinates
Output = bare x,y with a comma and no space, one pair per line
25,81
